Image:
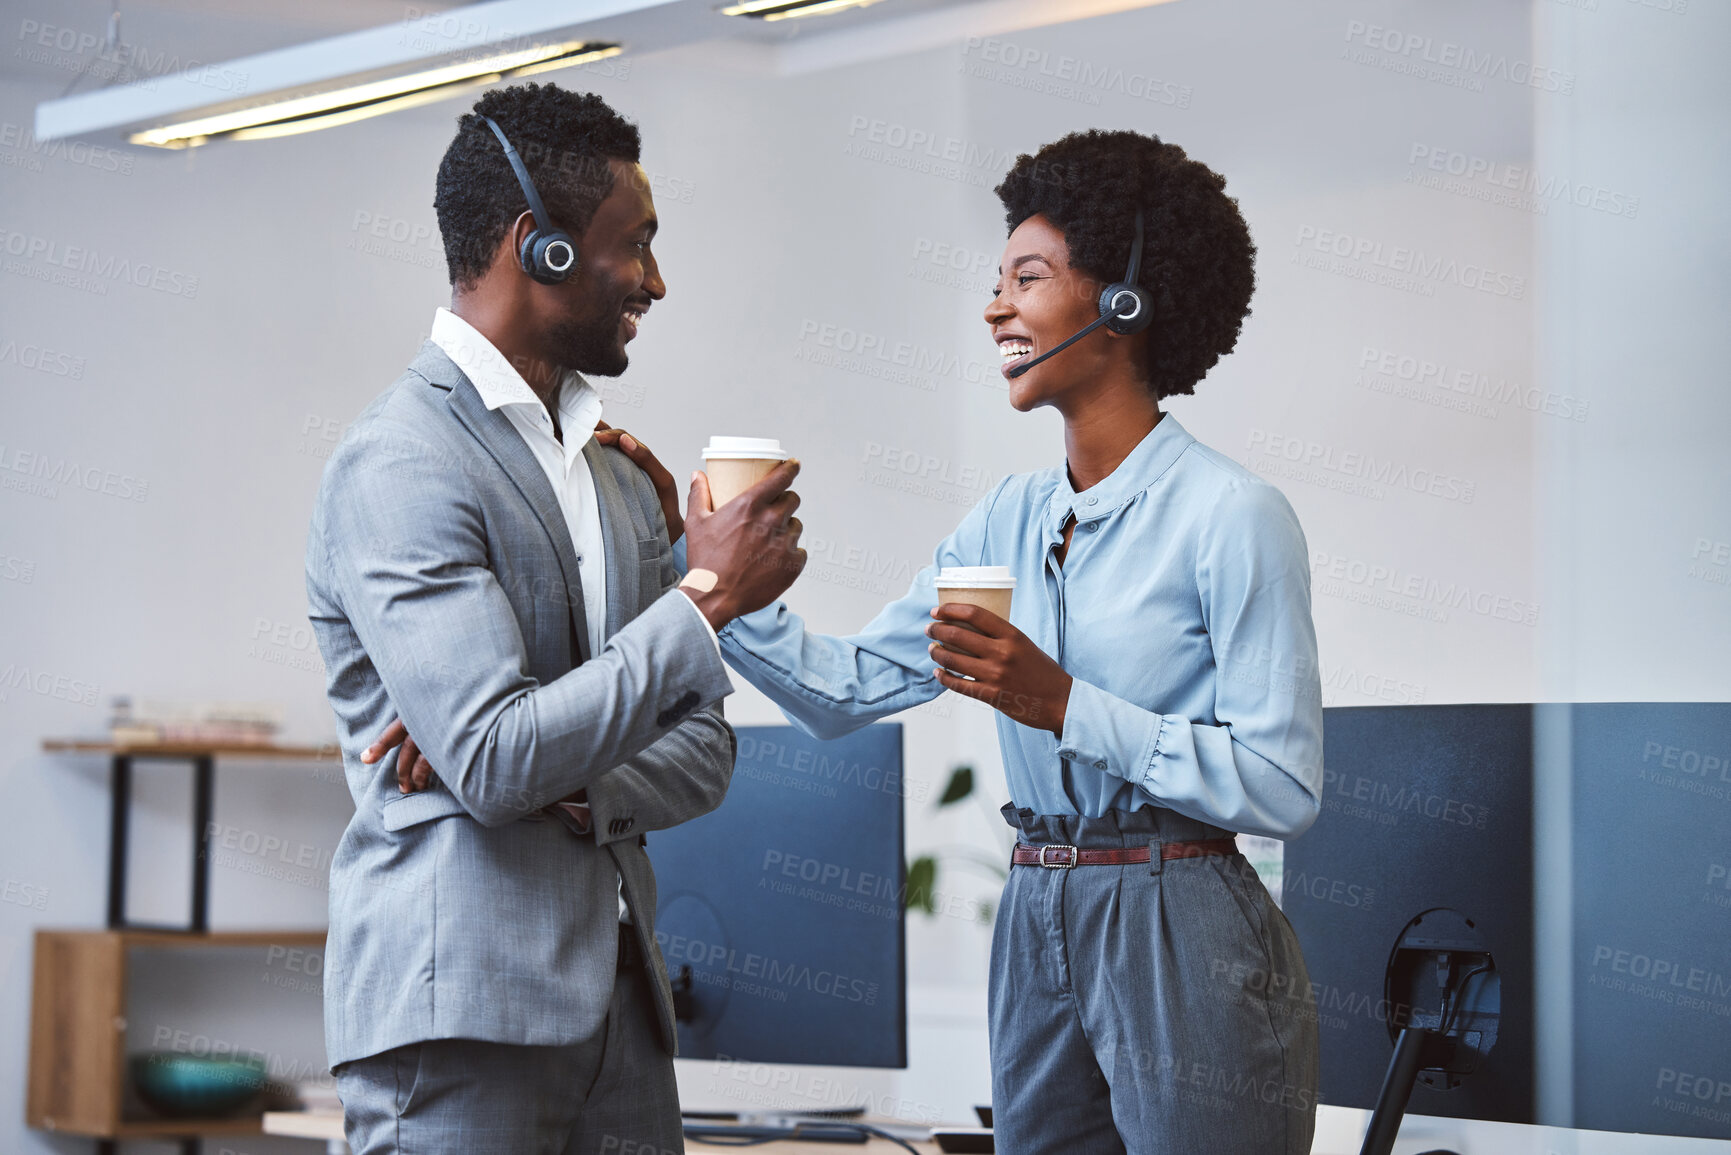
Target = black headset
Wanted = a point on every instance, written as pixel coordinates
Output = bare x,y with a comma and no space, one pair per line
547,254
1125,307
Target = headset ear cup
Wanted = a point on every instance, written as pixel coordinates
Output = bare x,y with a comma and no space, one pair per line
1136,321
548,257
526,253
556,254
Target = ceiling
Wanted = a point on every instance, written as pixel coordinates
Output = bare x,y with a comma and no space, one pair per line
194,32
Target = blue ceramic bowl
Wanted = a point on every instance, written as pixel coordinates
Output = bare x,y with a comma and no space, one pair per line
184,1086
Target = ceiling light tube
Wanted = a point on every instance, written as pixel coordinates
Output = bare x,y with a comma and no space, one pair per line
295,114
772,10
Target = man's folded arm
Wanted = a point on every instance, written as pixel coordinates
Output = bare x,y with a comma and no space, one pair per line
408,549
683,776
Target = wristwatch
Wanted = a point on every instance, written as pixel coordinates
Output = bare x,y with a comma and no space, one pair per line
700,580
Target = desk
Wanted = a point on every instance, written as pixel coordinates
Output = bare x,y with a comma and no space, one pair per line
328,1125
1339,1130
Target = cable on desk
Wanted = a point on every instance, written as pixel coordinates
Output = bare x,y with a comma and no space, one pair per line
758,1140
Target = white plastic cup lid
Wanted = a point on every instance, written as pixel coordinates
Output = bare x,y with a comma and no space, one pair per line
741,448
976,577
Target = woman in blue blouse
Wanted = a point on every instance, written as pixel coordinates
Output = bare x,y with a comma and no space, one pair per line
1156,686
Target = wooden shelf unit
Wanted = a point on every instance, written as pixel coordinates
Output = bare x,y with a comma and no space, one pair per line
78,1061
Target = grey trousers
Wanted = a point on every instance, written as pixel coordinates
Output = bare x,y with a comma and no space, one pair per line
610,1095
1160,1008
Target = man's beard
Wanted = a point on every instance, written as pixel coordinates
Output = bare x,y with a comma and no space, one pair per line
591,348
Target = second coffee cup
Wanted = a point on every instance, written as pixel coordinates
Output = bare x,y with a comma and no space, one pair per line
735,464
988,586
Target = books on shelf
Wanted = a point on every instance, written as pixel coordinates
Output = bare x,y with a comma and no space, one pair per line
150,721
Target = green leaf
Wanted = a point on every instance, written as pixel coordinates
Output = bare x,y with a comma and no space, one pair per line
961,785
922,881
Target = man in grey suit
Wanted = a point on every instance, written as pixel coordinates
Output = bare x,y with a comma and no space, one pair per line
479,566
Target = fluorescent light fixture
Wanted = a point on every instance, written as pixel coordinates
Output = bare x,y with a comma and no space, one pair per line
768,10
328,109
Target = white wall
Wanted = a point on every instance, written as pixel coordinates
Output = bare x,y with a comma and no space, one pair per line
782,215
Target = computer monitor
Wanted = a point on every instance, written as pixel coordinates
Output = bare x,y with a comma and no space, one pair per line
1650,888
780,913
1441,806
1422,807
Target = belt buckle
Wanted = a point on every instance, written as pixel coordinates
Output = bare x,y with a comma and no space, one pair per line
1064,865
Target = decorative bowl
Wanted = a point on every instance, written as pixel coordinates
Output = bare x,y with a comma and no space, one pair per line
183,1086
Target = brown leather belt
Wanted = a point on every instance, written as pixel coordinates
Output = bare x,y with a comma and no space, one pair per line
1058,857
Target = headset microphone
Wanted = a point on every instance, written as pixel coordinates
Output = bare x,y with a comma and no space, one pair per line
547,254
1125,308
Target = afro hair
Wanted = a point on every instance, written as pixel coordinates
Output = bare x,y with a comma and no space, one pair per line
565,140
1198,262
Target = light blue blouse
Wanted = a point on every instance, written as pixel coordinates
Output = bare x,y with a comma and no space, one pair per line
1182,611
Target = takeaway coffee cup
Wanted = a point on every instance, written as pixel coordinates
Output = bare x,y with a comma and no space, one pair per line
987,586
735,464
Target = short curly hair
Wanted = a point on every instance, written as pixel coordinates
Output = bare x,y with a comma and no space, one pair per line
565,140
1198,262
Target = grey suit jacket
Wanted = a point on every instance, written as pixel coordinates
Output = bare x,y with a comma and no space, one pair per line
443,587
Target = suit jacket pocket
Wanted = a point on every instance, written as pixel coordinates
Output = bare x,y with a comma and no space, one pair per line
649,552
413,809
